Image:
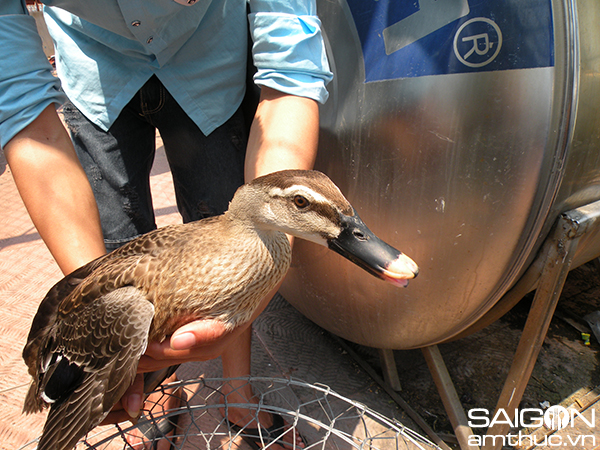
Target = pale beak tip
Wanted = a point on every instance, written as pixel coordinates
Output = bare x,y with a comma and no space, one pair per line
401,270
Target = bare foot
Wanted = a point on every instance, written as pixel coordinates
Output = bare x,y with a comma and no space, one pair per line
156,405
240,391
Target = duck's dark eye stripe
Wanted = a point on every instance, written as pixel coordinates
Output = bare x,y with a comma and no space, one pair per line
300,201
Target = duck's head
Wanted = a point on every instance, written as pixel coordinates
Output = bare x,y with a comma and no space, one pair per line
308,205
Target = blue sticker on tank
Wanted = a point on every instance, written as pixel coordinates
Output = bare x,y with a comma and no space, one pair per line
410,38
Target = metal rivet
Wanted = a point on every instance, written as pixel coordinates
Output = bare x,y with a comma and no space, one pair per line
136,23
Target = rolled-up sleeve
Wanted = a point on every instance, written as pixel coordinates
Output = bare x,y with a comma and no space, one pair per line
27,85
288,49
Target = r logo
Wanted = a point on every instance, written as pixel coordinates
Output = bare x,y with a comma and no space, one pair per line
477,42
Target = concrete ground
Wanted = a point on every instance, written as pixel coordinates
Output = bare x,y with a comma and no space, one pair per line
288,345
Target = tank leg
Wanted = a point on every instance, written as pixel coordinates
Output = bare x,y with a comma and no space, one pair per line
597,264
554,274
388,367
454,409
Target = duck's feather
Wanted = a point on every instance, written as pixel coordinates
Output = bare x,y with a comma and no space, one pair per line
94,360
156,265
131,265
46,315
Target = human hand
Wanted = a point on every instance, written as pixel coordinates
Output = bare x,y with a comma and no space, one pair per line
130,404
199,340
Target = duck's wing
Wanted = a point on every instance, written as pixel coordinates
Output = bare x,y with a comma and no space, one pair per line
99,277
91,329
46,314
91,358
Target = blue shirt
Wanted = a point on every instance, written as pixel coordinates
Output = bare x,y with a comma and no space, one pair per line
107,49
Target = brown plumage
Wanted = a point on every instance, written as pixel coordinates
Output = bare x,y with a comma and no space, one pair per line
93,325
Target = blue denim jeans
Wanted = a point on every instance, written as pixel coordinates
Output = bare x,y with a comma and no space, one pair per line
206,170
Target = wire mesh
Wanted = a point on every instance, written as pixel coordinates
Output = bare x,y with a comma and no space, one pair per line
321,417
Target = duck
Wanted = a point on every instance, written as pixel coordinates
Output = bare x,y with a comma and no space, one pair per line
93,325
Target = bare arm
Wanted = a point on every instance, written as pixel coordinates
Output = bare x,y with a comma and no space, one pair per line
60,201
56,191
284,134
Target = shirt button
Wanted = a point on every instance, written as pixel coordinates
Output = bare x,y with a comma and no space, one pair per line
136,23
149,40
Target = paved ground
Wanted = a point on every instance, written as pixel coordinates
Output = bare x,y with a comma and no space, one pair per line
286,344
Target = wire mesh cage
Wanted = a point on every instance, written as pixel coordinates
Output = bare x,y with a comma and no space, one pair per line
314,417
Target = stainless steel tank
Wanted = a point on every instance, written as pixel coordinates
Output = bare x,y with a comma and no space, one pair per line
460,130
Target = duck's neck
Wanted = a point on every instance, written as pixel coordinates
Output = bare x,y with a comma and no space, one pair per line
273,240
249,212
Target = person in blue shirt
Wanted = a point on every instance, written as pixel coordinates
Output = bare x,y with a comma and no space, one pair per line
127,68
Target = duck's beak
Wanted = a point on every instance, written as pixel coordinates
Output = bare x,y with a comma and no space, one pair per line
358,244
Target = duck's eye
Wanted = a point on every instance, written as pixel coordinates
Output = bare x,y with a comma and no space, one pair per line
300,201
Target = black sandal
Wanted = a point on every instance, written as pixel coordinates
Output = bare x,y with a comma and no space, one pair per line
155,430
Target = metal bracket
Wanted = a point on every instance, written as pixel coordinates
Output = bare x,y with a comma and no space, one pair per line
560,248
